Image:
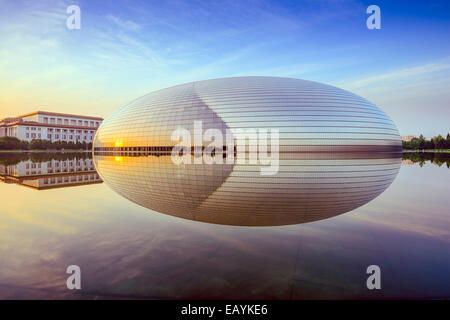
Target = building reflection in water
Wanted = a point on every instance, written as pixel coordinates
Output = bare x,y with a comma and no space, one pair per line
46,171
307,187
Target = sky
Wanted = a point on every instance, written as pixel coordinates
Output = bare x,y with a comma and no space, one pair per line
125,49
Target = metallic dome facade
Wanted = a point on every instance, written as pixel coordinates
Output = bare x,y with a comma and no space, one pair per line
310,116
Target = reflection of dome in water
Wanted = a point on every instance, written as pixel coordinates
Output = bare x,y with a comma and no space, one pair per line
307,187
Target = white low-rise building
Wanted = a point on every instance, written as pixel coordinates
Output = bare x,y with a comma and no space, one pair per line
51,126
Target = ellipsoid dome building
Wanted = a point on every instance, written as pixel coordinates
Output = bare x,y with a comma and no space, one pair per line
310,116
337,151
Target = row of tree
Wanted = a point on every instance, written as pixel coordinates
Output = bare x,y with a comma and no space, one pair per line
12,143
438,142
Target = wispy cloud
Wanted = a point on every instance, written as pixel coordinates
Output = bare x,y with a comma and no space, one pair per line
124,24
417,97
404,76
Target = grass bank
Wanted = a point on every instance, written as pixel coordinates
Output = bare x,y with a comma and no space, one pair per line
45,151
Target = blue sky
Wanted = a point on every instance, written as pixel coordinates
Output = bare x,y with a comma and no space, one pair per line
125,49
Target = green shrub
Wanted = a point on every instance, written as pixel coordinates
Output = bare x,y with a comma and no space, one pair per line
11,143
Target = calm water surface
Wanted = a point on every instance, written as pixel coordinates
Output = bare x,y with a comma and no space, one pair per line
55,212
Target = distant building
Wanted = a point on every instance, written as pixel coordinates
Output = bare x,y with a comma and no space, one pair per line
51,126
407,162
409,138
